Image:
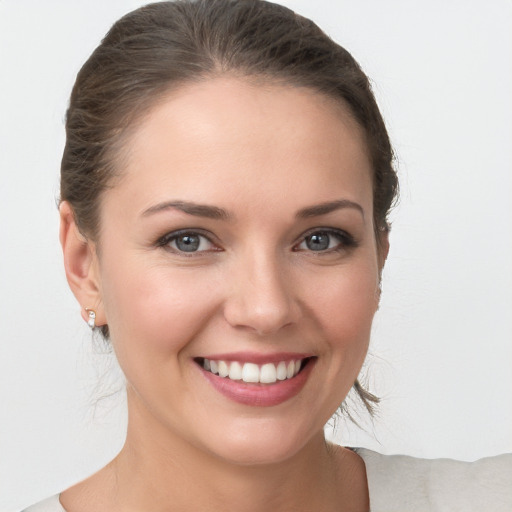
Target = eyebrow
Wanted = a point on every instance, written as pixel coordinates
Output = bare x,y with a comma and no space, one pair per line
198,210
325,208
216,213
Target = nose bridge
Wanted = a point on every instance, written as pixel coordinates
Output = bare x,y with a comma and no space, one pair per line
262,297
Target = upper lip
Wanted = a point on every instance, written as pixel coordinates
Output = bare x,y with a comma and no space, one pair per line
258,358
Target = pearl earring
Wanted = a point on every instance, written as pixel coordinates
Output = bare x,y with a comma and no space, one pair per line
92,318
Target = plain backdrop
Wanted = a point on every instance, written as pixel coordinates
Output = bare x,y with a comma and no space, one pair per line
441,355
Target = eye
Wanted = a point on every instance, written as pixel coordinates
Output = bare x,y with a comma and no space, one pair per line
326,241
187,242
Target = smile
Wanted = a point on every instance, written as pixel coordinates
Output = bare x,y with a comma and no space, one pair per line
268,373
262,383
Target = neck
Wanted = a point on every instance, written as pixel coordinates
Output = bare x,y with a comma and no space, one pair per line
163,469
163,472
191,480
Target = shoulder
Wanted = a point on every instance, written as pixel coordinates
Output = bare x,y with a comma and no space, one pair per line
437,485
49,505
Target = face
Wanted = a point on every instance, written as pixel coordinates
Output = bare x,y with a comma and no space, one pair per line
240,241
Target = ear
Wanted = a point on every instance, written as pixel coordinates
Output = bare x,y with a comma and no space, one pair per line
383,248
81,265
382,254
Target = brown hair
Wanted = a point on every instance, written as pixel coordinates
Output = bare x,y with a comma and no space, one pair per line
164,45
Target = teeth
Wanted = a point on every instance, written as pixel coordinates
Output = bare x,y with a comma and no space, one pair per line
223,369
281,370
250,373
235,371
268,373
290,370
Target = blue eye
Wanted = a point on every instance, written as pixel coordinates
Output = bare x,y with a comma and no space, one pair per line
186,242
326,241
318,241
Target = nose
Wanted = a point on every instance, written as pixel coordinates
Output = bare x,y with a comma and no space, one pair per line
262,297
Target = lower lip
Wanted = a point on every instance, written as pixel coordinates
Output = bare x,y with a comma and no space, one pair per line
260,395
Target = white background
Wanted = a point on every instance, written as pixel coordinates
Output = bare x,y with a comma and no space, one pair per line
442,351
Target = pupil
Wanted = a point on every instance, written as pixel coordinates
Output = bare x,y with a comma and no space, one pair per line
318,242
187,243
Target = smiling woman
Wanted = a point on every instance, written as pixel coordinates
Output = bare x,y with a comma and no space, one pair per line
225,190
202,257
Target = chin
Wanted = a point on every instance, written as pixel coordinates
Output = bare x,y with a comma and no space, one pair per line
260,444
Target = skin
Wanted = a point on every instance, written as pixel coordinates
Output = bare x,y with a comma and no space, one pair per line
262,153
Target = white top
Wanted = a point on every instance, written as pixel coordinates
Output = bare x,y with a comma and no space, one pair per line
398,483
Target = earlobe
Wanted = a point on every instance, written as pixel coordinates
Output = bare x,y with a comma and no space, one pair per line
80,263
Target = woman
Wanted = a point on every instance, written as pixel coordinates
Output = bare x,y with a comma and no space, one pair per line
225,188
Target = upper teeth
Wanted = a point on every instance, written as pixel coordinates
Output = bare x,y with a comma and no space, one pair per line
250,372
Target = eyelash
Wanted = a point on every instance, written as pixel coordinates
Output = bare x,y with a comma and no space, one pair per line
345,241
165,240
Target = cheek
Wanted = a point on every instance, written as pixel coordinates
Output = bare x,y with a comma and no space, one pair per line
155,309
346,309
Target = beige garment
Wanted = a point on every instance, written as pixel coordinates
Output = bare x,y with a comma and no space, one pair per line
398,483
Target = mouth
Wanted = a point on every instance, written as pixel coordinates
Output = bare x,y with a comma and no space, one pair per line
257,384
252,373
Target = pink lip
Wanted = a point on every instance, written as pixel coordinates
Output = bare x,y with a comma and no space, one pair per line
260,395
257,358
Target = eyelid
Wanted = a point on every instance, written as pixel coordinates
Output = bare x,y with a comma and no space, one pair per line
347,241
164,241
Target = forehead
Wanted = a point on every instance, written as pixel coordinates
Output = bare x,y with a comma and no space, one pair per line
225,137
